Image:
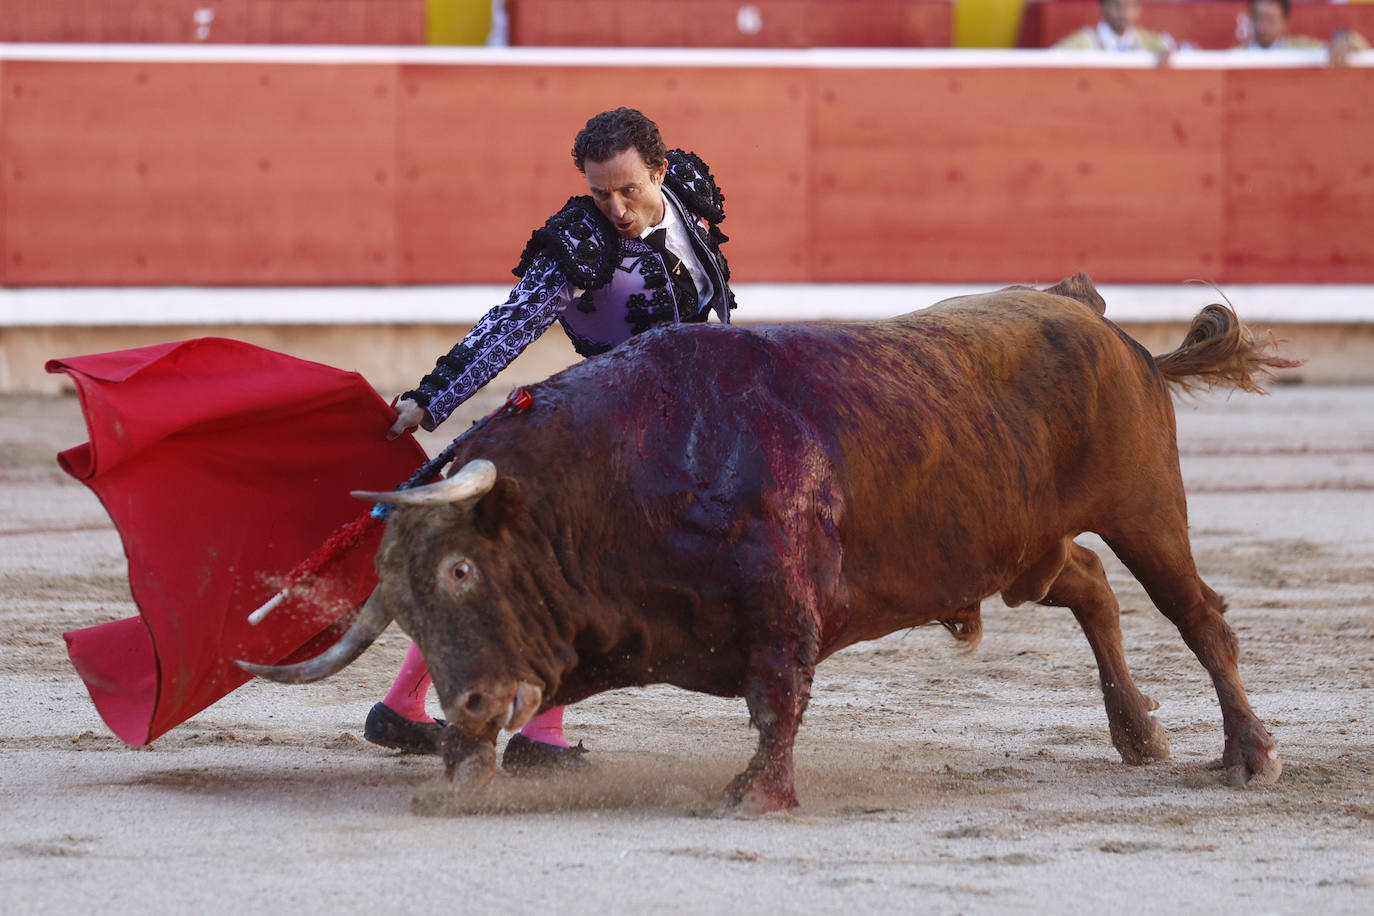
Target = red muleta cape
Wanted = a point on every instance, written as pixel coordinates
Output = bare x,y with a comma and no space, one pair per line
223,465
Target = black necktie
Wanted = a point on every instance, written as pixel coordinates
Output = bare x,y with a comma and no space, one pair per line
684,287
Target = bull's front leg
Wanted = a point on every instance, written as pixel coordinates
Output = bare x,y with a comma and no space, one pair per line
469,768
469,760
776,690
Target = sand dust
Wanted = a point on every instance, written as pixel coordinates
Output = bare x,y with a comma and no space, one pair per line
931,781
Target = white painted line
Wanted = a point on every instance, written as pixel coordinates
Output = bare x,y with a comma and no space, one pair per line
759,303
820,58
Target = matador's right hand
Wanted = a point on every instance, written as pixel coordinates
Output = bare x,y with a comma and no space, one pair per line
408,417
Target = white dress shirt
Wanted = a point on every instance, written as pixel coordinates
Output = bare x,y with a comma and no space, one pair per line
679,242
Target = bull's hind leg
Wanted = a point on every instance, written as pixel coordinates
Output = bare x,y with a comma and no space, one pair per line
1156,552
1081,586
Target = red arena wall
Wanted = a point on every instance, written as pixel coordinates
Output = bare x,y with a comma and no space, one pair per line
377,22
731,24
402,172
1208,24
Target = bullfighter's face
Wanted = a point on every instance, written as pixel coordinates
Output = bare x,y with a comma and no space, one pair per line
627,191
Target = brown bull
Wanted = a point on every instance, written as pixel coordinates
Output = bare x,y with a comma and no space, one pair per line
721,508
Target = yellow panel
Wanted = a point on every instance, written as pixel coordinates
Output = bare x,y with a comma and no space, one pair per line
987,23
457,22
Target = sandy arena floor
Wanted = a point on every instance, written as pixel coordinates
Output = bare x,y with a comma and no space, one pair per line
931,781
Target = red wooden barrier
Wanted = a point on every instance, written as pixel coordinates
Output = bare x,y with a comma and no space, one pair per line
4,177
245,173
368,22
952,174
1205,23
668,23
1300,194
485,157
732,24
215,21
127,173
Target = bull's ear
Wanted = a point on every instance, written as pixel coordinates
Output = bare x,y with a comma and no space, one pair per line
495,510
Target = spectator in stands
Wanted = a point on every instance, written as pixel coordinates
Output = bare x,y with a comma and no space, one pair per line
1269,31
641,251
1119,30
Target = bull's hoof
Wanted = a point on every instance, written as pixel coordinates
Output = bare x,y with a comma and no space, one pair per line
756,803
469,771
475,771
469,761
1141,750
747,797
1256,766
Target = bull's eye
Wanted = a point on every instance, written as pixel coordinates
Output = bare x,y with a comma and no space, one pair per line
456,573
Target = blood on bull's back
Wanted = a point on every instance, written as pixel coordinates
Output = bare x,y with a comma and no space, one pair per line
931,453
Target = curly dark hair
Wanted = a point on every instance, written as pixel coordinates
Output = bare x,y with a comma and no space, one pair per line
612,132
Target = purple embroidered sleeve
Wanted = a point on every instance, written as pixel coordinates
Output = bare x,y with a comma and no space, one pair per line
497,339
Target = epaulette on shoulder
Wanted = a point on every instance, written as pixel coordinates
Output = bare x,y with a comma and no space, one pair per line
580,241
690,179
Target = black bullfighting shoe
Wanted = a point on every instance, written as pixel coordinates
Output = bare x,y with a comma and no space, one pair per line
387,727
527,757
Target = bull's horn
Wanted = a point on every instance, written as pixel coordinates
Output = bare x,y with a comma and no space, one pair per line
473,482
372,620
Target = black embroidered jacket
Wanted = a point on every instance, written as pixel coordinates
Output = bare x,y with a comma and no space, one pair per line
604,289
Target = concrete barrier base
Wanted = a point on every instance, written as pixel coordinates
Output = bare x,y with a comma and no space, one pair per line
393,334
393,357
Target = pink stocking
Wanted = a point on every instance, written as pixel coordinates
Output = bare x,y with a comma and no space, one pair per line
547,727
408,691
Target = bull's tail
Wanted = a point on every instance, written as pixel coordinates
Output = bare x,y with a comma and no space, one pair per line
1221,351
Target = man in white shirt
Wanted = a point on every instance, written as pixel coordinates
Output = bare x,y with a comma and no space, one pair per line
1119,30
1268,25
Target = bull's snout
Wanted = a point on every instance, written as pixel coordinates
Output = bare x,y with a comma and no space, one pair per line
502,706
